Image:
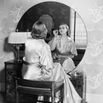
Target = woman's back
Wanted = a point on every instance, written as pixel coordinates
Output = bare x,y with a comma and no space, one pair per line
33,49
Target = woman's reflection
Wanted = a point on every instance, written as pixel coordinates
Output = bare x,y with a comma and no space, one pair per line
64,47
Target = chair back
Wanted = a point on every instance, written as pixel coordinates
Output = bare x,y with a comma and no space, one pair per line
36,83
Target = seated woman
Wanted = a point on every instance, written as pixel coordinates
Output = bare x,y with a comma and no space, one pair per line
39,64
64,47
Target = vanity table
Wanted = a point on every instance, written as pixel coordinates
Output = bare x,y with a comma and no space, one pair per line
12,69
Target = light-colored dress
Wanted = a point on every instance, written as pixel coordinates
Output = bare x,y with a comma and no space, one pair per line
37,52
65,47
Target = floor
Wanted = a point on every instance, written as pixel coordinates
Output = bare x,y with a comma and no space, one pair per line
27,99
2,98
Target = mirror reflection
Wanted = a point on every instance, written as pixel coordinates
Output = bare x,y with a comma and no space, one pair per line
61,14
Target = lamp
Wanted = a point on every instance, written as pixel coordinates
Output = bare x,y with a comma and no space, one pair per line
17,39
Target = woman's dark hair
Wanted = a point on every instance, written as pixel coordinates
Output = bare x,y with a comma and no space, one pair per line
38,30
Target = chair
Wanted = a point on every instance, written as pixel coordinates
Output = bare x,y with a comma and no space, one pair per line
40,88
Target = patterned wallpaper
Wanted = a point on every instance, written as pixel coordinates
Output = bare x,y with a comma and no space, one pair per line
91,12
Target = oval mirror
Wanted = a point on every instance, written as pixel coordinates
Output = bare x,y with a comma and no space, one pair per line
60,13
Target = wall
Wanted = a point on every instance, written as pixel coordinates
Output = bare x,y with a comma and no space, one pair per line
91,12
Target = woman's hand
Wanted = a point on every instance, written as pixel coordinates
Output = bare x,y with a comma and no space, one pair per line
55,32
46,73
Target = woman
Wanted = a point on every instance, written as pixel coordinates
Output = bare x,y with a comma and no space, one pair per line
64,48
36,54
39,64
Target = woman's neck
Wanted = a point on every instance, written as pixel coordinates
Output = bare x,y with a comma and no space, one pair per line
64,35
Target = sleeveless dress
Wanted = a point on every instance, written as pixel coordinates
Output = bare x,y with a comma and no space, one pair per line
40,66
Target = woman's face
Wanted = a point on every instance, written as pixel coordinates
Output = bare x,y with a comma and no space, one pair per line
63,29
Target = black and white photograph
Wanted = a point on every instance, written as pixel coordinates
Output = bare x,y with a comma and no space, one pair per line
51,51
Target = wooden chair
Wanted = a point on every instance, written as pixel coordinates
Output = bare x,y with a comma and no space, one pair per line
40,88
